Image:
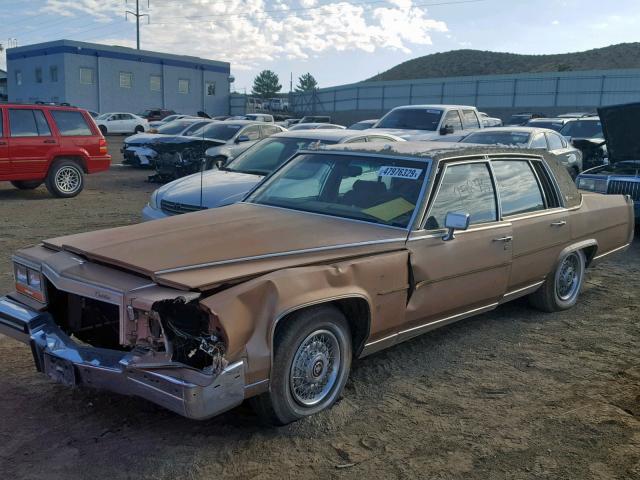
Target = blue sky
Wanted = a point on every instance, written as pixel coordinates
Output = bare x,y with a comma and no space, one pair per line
338,42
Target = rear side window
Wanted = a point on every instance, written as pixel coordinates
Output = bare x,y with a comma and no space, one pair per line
555,141
469,119
28,123
453,120
270,130
70,123
539,141
464,188
518,186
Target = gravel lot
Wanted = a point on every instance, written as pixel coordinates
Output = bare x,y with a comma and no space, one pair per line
513,394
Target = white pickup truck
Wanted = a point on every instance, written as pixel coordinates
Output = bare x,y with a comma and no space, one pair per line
431,122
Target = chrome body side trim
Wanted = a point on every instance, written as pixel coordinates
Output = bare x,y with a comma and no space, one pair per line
602,255
521,291
279,254
402,335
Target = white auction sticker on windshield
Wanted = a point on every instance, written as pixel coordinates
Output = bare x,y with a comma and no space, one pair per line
400,172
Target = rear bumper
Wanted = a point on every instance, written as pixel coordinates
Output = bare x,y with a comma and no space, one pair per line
174,386
98,164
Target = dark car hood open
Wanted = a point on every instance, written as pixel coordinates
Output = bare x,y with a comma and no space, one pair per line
162,141
621,128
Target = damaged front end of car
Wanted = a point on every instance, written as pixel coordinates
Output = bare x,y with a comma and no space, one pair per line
89,325
176,160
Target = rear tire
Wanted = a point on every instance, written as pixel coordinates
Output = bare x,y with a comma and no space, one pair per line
311,363
65,179
26,184
562,287
103,129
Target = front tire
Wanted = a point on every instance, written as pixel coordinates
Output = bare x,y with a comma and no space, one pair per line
138,129
562,287
26,184
311,363
65,179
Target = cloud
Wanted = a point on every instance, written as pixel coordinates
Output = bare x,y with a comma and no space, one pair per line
249,33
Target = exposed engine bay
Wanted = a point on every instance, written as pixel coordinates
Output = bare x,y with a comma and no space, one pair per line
192,341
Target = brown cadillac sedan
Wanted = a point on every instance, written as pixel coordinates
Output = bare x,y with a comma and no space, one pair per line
341,252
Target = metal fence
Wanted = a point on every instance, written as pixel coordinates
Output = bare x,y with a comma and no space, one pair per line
543,92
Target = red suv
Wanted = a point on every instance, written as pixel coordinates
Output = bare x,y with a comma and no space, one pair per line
50,144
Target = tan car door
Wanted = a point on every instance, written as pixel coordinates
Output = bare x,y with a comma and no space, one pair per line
540,224
469,273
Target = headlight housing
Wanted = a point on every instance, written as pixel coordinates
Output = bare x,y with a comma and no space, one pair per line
153,202
587,184
593,184
29,282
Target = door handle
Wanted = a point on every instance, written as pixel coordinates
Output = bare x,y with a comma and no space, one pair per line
559,223
49,141
503,239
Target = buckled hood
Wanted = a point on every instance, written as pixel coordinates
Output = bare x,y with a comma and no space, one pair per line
212,247
621,128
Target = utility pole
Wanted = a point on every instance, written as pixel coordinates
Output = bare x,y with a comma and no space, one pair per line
291,83
137,14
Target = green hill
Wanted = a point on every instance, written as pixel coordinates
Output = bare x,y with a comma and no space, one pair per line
461,63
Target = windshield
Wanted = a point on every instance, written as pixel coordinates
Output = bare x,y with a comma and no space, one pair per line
372,189
265,156
170,118
583,129
618,168
217,131
557,126
412,119
497,138
361,125
145,113
104,116
518,119
173,128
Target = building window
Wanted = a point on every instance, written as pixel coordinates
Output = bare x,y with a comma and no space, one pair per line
126,79
155,83
210,88
86,76
183,86
18,77
53,73
38,75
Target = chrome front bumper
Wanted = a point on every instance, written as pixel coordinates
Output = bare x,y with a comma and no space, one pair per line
174,386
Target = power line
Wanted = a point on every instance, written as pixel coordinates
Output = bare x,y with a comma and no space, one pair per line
287,11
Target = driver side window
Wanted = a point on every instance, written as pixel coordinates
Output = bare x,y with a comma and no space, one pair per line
464,188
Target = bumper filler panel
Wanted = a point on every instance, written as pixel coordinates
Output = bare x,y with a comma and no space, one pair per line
174,386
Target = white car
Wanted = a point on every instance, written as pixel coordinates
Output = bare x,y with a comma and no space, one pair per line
121,122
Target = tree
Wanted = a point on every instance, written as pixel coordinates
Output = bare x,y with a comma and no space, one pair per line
306,83
266,84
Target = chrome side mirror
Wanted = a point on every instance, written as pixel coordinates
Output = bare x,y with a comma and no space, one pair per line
455,221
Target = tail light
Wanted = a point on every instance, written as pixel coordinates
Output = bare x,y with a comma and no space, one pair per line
103,146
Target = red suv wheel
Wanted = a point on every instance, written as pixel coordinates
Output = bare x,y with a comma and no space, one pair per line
65,179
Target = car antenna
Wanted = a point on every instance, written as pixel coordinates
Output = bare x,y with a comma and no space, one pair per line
203,161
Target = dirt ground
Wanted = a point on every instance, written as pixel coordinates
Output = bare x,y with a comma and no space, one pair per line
513,394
